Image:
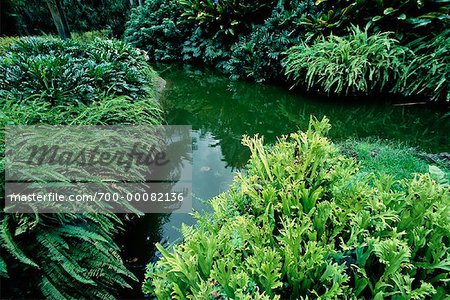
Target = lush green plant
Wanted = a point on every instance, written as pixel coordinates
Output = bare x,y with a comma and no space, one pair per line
157,27
427,69
33,17
408,17
304,223
227,17
257,55
62,72
69,256
357,63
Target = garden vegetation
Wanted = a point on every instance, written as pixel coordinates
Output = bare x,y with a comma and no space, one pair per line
304,222
386,47
49,81
308,218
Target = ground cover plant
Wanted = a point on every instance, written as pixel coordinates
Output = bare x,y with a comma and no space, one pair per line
303,223
48,81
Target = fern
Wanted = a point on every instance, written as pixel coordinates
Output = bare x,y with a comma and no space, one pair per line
361,237
105,82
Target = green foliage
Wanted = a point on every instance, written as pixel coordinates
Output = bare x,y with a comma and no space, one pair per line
63,72
70,256
157,27
427,70
304,223
409,17
257,55
227,17
34,18
357,63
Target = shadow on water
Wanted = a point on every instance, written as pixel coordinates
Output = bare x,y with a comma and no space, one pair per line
221,111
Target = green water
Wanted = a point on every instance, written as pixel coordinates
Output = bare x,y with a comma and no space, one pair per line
221,111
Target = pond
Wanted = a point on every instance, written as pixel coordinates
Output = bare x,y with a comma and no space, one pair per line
221,111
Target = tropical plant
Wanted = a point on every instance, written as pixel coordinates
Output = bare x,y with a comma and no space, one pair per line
427,69
304,223
409,17
69,256
257,55
227,17
62,72
157,27
360,62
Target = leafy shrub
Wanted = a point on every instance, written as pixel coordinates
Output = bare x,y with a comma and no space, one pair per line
34,18
408,17
69,256
62,72
198,48
227,17
357,63
304,223
157,27
427,69
257,55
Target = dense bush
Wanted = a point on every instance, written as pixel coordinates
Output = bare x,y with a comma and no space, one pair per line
406,18
225,17
304,223
357,63
427,70
67,72
157,27
69,256
257,55
33,17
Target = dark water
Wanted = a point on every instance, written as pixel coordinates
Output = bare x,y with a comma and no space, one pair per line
221,111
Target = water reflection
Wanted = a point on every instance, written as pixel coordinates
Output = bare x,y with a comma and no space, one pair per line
212,104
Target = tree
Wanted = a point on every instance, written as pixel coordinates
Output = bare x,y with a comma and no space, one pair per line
59,18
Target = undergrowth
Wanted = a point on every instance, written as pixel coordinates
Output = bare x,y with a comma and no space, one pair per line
48,81
304,222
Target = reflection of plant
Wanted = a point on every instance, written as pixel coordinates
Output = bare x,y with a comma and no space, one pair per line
357,63
304,223
271,111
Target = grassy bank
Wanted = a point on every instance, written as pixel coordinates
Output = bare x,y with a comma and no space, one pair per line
394,159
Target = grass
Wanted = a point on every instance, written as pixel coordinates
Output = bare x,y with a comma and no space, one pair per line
388,157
